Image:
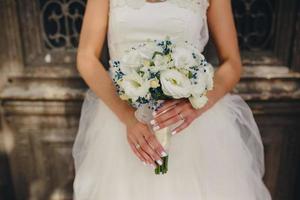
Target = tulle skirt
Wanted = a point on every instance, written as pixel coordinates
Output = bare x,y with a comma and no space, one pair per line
218,157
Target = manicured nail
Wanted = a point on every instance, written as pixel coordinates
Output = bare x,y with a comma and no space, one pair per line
174,132
154,113
153,166
156,128
152,122
163,154
159,162
145,163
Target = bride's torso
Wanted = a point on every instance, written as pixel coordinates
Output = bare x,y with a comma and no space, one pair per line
136,21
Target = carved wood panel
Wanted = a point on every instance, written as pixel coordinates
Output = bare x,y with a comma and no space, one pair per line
61,22
42,163
265,29
279,126
52,27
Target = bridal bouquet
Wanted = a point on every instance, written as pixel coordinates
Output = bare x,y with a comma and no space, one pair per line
158,70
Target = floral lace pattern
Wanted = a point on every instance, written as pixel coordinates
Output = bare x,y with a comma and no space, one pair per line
194,5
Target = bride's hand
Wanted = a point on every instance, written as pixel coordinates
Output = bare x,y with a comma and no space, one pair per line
174,111
144,144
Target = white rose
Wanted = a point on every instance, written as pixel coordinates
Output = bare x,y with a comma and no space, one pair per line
175,84
210,75
148,50
197,101
135,86
131,61
183,57
161,62
199,56
199,88
204,81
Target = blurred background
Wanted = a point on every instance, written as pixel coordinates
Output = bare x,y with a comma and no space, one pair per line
41,92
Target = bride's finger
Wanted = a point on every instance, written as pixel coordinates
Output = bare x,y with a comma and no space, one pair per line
152,141
181,127
170,113
148,149
170,121
133,142
149,160
166,106
146,158
135,151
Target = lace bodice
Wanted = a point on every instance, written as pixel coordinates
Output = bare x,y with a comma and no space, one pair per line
136,21
193,5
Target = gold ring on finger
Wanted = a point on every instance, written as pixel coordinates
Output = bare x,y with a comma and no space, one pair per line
137,146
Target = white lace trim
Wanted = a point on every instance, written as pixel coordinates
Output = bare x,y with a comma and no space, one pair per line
194,5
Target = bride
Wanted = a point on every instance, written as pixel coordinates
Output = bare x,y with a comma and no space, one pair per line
216,151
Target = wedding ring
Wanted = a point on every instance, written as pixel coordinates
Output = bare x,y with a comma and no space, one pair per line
181,117
137,146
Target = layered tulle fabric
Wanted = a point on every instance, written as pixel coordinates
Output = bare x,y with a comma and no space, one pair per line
218,157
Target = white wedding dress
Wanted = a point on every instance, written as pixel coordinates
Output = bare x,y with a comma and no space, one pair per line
218,157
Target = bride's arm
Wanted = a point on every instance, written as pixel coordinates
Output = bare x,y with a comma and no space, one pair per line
92,38
223,32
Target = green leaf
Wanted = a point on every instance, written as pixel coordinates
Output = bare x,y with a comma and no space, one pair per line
158,94
157,53
190,75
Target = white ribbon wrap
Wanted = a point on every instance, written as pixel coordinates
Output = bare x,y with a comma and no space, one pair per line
144,115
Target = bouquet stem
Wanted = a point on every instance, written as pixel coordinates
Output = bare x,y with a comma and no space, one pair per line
144,115
162,169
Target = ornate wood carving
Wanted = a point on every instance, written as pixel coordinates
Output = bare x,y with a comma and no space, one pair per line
255,21
61,22
52,28
264,27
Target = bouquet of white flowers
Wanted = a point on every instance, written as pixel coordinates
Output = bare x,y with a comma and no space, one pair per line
158,70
